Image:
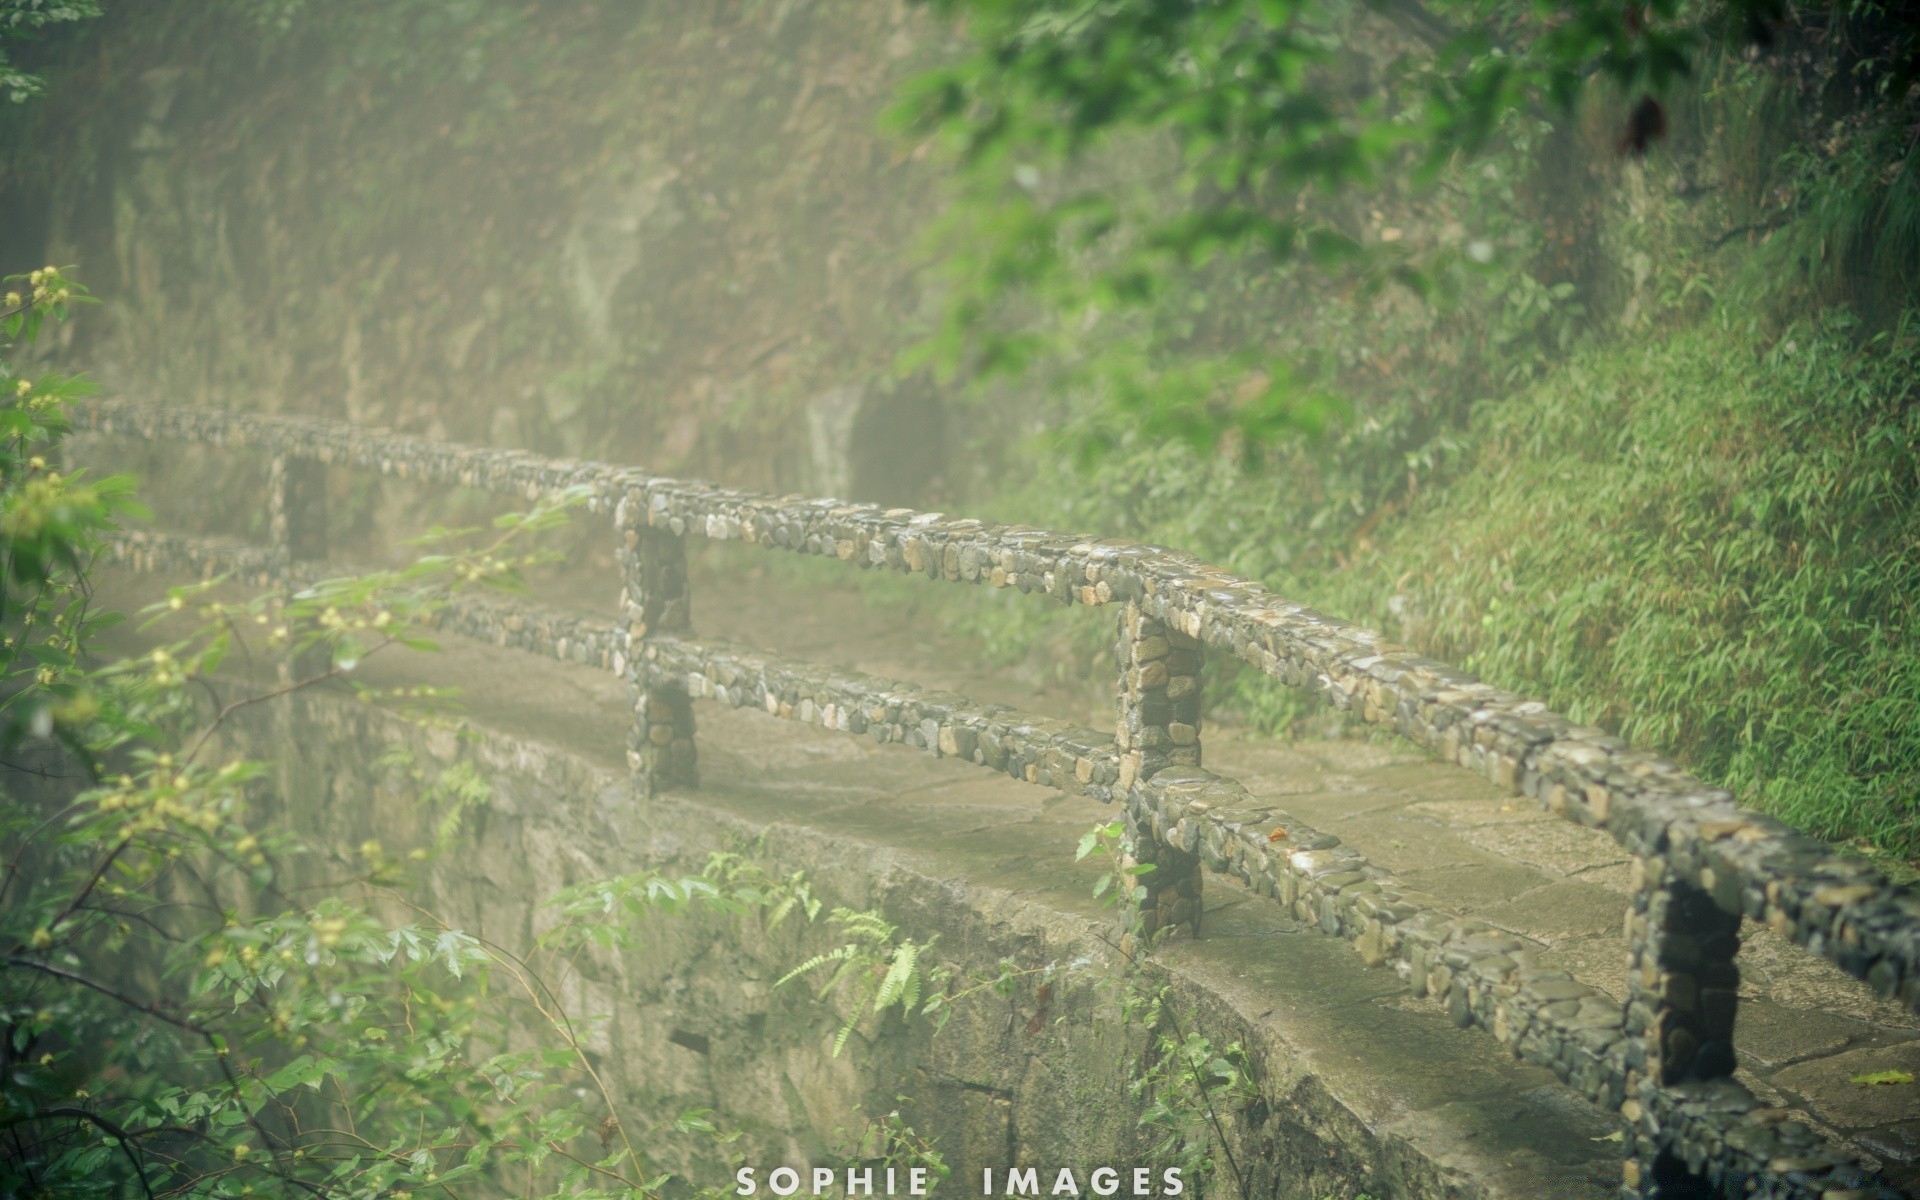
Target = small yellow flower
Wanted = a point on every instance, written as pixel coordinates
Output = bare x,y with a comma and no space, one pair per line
13,299
42,938
25,385
241,1151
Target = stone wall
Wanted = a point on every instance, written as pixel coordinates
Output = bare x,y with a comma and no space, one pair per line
1702,864
690,1018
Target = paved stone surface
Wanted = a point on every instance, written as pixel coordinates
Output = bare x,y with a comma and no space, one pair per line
1485,853
1364,1094
1489,855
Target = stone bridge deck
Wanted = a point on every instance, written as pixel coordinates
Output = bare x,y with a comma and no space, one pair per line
1471,893
1805,1028
1405,1103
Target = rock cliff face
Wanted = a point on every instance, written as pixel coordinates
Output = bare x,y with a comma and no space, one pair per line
670,234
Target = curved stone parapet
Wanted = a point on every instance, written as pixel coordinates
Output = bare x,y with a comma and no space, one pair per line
1702,865
1750,864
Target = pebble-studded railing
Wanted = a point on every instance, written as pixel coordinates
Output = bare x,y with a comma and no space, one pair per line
1664,1059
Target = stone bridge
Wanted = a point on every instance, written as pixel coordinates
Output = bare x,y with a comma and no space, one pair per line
1419,940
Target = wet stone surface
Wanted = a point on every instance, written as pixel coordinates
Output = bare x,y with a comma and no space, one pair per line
1507,882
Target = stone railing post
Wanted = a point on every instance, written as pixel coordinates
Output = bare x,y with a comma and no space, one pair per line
296,510
654,602
1158,726
1683,987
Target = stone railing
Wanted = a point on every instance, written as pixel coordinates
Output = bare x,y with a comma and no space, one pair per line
1664,1060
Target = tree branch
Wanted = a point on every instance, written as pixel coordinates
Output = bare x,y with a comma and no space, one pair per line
80,1114
140,1006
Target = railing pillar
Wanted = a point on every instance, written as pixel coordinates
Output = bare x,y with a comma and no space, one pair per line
1158,726
655,602
296,510
1683,986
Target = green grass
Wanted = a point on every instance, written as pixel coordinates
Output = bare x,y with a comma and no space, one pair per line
1709,543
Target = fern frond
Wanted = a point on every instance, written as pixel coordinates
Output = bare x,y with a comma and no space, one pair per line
902,969
837,954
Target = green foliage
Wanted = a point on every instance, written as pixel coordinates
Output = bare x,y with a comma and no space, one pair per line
1704,544
1259,120
1701,542
1850,228
23,19
600,912
1119,885
179,1014
1182,1086
50,523
1183,1082
888,1141
884,970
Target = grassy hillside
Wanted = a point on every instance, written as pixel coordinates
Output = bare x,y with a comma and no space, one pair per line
1707,541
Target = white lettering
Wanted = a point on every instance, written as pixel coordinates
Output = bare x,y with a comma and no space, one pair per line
1171,1177
917,1181
822,1179
861,1183
744,1177
1142,1180
1023,1181
1064,1183
1111,1185
790,1187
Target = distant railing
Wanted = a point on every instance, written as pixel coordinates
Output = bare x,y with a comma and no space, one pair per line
1664,1060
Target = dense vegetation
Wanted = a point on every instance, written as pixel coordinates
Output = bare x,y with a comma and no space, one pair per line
1572,345
1596,319
1282,283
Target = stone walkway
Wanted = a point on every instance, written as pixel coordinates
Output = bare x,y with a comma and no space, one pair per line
1804,1029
